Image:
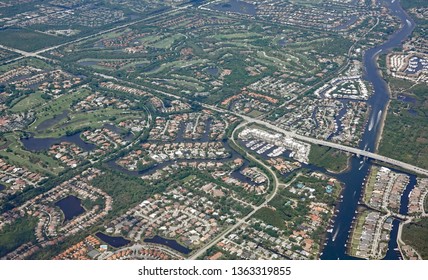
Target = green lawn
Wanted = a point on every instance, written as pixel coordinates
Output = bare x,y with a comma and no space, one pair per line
37,162
31,101
168,41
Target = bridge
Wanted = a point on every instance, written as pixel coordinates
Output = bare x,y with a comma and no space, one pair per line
315,141
292,134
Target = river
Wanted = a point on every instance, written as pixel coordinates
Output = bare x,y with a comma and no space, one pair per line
355,177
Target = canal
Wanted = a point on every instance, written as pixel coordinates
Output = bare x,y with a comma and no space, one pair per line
354,178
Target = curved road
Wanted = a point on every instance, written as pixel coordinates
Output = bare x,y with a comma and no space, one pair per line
201,251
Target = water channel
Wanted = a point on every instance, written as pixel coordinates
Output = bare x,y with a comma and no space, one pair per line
355,177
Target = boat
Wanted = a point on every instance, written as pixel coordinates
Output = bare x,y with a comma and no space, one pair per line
379,114
335,235
370,126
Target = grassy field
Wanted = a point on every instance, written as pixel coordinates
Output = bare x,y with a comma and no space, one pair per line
270,217
328,158
246,35
16,234
38,162
94,119
416,235
26,62
53,107
356,232
31,101
168,41
370,184
27,40
178,64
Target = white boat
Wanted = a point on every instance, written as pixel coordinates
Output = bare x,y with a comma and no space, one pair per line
371,125
335,235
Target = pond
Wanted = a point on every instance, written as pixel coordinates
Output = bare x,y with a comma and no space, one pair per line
213,71
237,6
169,243
71,207
50,122
43,144
114,241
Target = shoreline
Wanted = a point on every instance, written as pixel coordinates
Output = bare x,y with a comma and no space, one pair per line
379,135
332,221
345,169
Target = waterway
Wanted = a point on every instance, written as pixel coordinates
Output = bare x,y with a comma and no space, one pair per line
233,155
354,178
169,243
128,136
114,241
71,207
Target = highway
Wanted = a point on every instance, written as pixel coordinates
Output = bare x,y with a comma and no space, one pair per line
23,54
311,140
38,53
355,151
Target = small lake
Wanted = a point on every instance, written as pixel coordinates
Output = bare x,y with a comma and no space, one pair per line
50,122
43,144
282,42
406,99
213,71
128,137
71,207
2,187
169,243
236,6
114,241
